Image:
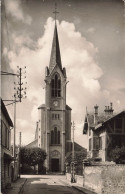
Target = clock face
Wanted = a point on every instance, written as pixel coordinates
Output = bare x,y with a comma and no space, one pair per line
55,103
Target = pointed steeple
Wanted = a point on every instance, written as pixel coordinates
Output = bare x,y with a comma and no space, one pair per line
55,58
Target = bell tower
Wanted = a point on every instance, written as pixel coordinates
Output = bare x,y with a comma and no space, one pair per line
55,115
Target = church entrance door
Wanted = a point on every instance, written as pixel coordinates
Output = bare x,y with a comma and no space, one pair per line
55,165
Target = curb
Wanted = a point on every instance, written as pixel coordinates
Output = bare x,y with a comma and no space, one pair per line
84,190
22,187
79,189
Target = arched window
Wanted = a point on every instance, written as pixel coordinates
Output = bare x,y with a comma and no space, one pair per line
52,137
55,136
56,86
58,137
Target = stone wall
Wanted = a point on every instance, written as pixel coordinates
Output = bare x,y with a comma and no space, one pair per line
105,179
79,179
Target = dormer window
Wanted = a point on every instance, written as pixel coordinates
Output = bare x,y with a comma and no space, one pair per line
56,86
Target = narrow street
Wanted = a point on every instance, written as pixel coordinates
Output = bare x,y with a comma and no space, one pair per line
47,184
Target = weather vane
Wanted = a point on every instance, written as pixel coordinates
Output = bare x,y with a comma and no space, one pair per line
55,12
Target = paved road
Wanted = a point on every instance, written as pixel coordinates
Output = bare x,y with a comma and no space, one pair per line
48,184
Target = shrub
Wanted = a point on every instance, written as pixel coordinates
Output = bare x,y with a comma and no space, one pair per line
118,155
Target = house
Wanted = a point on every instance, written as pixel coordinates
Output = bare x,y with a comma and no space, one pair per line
104,132
6,155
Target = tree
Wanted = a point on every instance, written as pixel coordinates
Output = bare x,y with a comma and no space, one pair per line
79,156
32,156
118,155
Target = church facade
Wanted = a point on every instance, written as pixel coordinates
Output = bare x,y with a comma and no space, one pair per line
54,126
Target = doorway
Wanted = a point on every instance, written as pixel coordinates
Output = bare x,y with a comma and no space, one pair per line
55,165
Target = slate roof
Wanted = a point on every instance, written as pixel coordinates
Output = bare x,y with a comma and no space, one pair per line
89,121
5,112
101,119
55,58
110,118
32,144
42,106
68,108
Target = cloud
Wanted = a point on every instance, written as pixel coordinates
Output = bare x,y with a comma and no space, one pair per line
78,56
34,113
118,102
27,131
122,90
23,123
14,8
91,30
22,40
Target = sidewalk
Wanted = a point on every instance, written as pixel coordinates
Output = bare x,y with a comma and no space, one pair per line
16,187
77,186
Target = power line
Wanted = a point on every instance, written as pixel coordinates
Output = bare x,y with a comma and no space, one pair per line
8,73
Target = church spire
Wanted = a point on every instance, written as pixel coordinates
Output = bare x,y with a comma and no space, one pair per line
55,58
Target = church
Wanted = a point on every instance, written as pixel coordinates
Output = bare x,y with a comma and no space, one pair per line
53,132
54,126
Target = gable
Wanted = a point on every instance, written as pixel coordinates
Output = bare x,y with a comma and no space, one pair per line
55,70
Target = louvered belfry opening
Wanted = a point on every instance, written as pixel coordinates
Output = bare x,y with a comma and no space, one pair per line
56,86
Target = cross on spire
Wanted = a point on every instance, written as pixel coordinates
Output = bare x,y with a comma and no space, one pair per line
55,12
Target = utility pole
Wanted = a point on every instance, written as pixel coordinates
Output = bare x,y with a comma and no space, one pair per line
18,87
19,154
14,138
20,139
73,157
73,128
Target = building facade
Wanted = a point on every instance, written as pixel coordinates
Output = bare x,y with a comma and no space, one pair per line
6,154
54,126
104,132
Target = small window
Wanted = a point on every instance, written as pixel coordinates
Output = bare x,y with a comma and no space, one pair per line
39,136
90,144
8,170
55,116
100,143
58,116
52,116
58,138
89,131
6,137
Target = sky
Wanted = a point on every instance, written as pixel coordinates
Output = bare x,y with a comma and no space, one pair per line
91,37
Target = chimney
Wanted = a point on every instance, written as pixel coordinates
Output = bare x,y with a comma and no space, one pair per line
111,105
95,114
109,110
